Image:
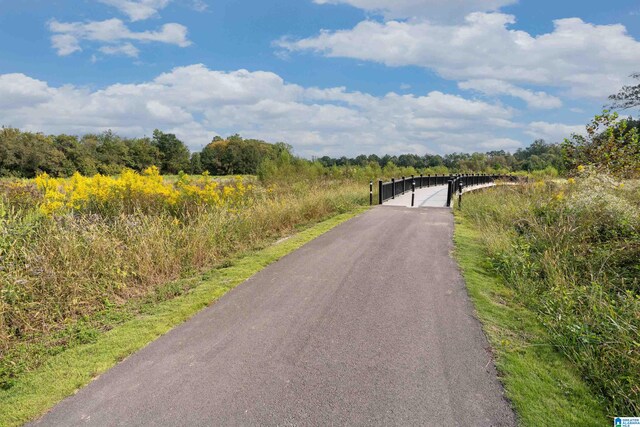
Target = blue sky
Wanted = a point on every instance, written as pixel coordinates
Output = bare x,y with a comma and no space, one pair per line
336,77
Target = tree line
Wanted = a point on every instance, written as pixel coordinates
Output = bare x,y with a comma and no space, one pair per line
610,142
26,154
539,155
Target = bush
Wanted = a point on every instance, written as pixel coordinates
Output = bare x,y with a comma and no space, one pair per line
572,254
612,146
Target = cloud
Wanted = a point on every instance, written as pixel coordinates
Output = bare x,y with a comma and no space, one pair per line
197,103
582,59
18,90
553,132
199,5
138,10
68,36
507,144
492,87
429,9
65,44
126,49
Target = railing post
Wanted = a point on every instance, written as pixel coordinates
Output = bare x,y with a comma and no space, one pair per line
413,193
450,185
393,188
370,193
421,181
380,191
460,195
404,186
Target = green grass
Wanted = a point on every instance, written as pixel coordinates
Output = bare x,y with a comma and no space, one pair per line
61,375
543,386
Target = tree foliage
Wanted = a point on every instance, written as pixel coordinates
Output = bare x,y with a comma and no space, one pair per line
539,156
611,145
174,154
236,155
25,154
627,97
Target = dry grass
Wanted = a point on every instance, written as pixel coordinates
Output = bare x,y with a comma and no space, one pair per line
59,270
571,253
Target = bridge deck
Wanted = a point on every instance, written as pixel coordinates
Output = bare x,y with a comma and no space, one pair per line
433,197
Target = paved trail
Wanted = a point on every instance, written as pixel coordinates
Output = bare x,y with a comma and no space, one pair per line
369,324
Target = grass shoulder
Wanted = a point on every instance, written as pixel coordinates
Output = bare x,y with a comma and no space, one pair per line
544,388
62,374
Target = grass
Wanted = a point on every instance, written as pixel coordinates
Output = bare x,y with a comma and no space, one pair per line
543,386
36,391
68,275
571,254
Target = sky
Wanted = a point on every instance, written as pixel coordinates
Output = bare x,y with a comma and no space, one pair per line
329,77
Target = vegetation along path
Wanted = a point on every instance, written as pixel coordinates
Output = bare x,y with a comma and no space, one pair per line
369,324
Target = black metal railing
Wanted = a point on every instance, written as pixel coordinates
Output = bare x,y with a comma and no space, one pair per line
394,188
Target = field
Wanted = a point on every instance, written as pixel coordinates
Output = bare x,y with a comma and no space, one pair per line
84,262
81,255
569,253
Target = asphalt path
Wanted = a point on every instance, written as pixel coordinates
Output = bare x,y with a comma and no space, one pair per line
369,324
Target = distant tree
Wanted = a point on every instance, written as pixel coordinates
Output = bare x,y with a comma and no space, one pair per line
174,154
142,154
196,164
452,161
410,160
539,156
433,160
327,161
628,97
236,155
110,152
374,158
77,157
361,160
25,154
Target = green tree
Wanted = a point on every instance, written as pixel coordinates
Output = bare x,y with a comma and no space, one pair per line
143,154
77,158
611,145
174,154
110,152
238,156
627,97
196,164
25,154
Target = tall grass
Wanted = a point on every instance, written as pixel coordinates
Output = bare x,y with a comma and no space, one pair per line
62,265
571,252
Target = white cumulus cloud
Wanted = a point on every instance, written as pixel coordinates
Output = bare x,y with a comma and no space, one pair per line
538,100
582,59
429,9
197,103
138,10
553,132
126,49
114,36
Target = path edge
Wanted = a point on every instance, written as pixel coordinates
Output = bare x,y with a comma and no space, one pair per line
61,376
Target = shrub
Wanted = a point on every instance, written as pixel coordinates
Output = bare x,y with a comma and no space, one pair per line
572,254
